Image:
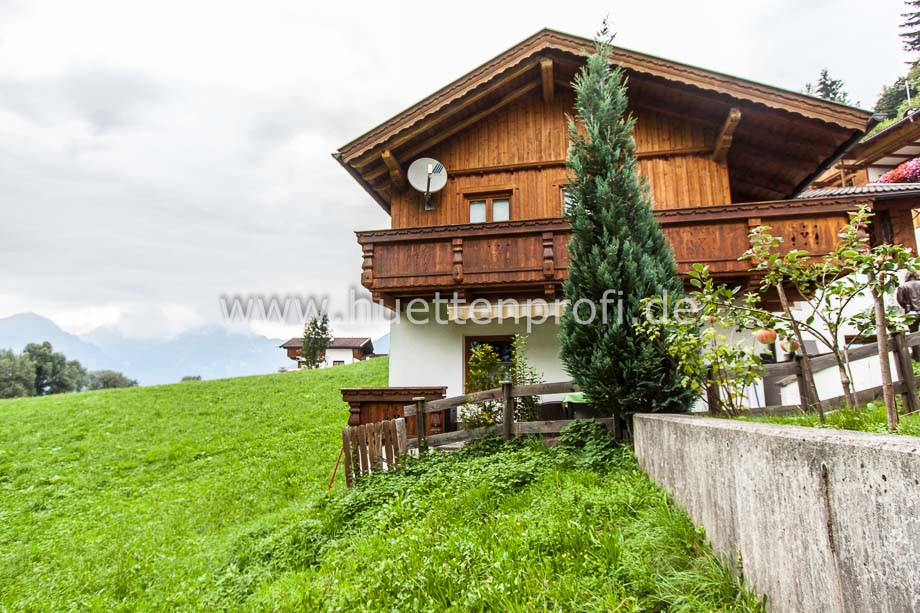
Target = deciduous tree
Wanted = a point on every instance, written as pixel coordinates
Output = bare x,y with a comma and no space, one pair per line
17,375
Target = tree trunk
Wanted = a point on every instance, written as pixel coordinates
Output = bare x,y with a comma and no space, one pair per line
845,381
881,334
809,375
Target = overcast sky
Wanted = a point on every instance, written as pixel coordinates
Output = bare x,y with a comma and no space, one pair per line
156,155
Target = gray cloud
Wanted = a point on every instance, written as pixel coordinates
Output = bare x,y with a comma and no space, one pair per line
155,156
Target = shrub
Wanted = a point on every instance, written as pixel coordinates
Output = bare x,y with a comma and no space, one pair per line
108,379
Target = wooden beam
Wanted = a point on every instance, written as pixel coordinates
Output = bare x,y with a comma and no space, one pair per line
364,158
394,168
546,76
724,139
461,125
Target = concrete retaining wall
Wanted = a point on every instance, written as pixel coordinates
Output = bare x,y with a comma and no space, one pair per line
824,520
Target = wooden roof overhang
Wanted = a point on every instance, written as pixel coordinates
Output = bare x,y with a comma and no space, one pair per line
783,141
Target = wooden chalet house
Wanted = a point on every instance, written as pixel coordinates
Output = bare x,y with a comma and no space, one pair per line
342,350
722,155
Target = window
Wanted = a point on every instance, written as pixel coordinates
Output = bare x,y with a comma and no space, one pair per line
338,362
567,199
477,211
490,208
503,346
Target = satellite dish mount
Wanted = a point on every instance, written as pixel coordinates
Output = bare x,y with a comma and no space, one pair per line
428,176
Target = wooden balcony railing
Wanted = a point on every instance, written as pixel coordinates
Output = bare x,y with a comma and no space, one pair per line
525,255
532,256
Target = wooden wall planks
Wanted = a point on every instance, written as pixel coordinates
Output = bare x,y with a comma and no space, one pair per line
532,132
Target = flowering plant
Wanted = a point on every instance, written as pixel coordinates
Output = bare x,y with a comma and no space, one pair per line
908,172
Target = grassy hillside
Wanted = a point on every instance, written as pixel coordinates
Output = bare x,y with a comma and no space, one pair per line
131,498
869,418
210,496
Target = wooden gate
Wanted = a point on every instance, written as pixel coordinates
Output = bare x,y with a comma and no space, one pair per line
373,447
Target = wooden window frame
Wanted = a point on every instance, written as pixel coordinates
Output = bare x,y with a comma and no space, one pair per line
562,189
488,198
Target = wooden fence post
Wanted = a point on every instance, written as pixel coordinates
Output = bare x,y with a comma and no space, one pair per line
346,448
402,443
804,389
421,423
507,411
902,362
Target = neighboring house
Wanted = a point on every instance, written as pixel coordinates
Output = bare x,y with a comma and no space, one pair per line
342,350
721,154
865,162
869,159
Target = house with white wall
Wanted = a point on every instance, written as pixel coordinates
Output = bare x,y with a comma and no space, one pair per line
342,350
485,257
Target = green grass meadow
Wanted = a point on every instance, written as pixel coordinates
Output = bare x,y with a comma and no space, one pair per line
211,496
129,499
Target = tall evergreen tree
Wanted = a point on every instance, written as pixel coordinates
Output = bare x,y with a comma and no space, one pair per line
891,97
910,35
828,88
316,340
617,251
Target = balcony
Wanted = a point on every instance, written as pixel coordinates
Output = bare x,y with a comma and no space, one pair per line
527,257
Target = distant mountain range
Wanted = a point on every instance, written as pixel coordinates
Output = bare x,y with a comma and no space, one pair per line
382,345
211,352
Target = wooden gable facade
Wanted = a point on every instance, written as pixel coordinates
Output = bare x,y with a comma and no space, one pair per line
720,154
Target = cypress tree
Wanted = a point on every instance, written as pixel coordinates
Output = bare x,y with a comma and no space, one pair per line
616,245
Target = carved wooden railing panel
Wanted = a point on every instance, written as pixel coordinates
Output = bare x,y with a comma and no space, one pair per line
532,255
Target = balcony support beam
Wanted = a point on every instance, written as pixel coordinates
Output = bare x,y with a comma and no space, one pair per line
457,249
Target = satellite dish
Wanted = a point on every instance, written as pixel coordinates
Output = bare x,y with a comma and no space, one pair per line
428,176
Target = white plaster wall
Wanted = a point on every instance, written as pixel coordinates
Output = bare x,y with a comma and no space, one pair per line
333,355
867,374
432,353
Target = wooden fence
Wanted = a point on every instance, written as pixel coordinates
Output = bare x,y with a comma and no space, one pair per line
906,385
373,447
508,428
378,446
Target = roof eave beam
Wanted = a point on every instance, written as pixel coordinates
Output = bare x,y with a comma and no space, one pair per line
397,176
724,139
546,76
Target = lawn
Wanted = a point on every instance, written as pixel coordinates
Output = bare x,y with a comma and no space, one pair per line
129,499
210,496
869,418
